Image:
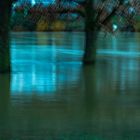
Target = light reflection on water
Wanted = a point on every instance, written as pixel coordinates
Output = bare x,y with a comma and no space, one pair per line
45,61
42,66
52,96
44,79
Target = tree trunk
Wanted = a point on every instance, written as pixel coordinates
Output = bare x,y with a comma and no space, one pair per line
90,34
5,11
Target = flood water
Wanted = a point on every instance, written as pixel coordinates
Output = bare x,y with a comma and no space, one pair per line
50,95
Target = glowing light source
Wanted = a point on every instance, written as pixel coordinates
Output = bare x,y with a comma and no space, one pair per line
115,27
33,2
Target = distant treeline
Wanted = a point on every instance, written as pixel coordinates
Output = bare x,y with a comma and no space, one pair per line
26,17
39,17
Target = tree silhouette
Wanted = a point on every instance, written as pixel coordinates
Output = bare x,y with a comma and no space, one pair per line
99,15
5,11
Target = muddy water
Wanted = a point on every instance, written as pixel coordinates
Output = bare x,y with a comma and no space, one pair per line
51,96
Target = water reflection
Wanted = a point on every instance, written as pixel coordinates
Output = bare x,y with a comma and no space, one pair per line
44,79
43,67
4,102
52,96
121,54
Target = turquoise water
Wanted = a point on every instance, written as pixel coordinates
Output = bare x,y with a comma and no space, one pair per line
50,95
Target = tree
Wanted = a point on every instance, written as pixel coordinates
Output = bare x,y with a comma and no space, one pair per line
99,14
91,26
5,11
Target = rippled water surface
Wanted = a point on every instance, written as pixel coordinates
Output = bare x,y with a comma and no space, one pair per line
50,95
